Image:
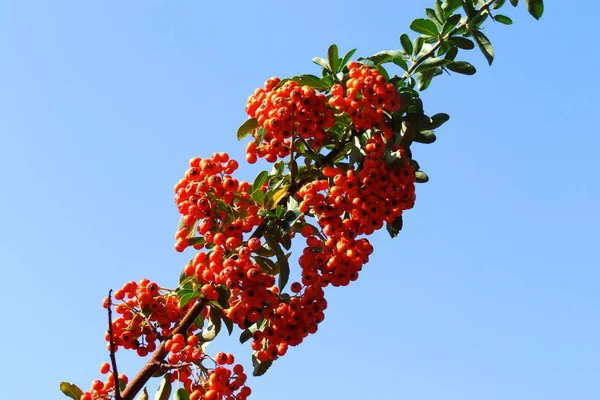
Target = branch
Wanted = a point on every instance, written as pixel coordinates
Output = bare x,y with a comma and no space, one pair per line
113,358
484,8
154,364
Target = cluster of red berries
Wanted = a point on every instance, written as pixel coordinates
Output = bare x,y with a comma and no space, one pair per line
145,314
352,203
214,203
368,96
222,383
103,390
282,112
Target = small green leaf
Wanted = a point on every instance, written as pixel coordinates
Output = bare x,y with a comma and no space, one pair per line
425,137
164,390
385,56
451,23
438,120
432,63
261,368
498,4
451,54
71,390
143,395
451,5
418,45
347,58
259,181
282,261
181,394
333,57
462,43
503,19
322,62
535,8
424,26
462,67
401,63
246,335
484,45
259,197
247,127
406,43
394,227
310,80
514,2
228,323
421,177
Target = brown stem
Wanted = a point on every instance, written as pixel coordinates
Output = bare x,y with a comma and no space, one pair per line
154,364
113,358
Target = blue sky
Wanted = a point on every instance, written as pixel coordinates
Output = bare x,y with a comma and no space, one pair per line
490,292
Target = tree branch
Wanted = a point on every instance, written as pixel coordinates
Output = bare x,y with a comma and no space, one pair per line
113,358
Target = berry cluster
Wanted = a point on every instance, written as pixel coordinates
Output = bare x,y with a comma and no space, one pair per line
103,390
367,98
146,314
215,203
282,112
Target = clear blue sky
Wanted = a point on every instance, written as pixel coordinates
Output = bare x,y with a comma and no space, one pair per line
490,292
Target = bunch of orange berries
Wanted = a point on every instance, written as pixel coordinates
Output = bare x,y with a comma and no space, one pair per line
285,111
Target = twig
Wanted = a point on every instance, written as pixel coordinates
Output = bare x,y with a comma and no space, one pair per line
113,358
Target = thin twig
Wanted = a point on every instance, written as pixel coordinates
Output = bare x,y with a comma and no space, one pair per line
113,358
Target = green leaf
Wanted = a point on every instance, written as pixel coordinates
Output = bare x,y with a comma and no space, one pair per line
451,5
462,43
261,368
143,395
535,8
310,80
425,137
347,58
164,390
439,11
333,57
181,394
514,2
259,197
462,67
185,296
71,390
259,181
282,261
322,62
246,335
451,54
394,227
484,45
406,43
275,196
498,4
421,177
431,64
385,56
228,323
451,23
424,26
503,19
247,127
433,17
438,120
418,45
401,63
